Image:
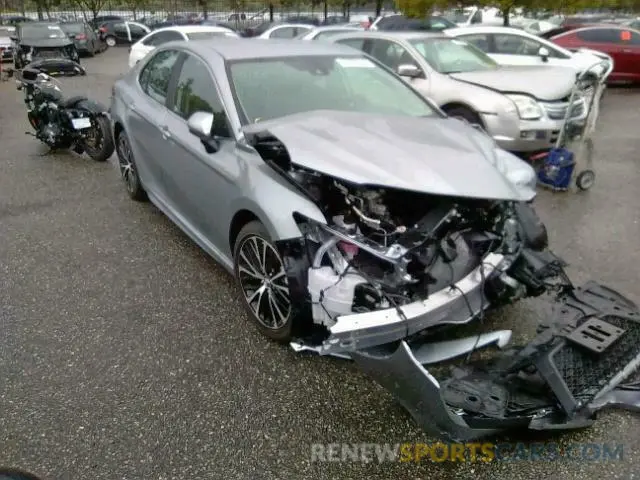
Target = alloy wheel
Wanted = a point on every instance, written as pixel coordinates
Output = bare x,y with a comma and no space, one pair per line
125,161
111,42
263,281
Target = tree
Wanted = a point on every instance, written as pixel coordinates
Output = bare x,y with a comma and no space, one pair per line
93,6
417,8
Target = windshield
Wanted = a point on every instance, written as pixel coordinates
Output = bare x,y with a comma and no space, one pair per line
73,27
276,87
41,31
205,35
456,16
453,56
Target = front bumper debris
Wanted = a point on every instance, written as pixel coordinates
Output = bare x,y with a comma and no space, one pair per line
569,371
448,306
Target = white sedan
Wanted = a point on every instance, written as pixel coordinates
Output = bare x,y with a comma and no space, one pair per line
286,30
324,32
512,46
168,34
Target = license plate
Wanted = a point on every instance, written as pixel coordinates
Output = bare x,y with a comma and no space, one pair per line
80,123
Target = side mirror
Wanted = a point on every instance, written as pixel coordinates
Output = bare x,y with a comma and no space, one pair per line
13,38
543,53
410,71
200,124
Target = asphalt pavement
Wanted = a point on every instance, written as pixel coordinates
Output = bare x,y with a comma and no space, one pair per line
125,354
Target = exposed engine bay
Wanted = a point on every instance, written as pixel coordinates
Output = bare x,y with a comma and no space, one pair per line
391,269
385,247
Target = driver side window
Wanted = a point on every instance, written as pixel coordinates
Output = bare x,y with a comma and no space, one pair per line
391,54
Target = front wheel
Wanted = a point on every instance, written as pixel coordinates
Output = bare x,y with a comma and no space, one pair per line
465,114
98,142
262,281
110,41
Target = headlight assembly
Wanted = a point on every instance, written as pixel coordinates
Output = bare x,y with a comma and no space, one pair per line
527,107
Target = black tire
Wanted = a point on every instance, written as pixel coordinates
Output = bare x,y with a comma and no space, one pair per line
128,169
275,291
585,180
101,152
465,114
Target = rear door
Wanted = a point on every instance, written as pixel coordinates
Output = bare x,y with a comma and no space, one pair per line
602,39
146,117
628,41
137,31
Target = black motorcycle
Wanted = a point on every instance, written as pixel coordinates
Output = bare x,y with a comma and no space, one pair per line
61,123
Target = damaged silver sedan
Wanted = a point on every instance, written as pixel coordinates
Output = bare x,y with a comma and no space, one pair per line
360,221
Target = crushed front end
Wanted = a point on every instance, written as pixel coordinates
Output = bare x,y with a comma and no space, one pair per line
392,273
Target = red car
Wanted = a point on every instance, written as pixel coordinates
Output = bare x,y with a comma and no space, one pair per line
622,44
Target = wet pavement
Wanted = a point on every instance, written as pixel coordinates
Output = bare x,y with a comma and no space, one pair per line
125,354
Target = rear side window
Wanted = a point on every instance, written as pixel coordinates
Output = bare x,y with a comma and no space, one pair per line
478,40
285,32
196,92
155,76
162,37
599,35
357,43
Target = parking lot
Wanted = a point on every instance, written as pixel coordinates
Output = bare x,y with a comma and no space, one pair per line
125,353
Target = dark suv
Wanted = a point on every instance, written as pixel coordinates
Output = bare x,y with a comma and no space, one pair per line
42,41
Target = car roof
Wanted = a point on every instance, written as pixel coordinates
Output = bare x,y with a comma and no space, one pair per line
395,35
297,25
488,29
192,28
41,23
249,48
324,28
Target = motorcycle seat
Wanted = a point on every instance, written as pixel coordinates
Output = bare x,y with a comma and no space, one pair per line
72,101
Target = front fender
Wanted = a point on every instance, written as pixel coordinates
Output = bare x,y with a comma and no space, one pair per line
277,213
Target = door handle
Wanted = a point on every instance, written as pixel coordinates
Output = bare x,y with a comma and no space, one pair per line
164,129
627,50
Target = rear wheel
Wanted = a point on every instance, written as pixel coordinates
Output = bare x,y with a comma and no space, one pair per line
128,169
98,142
110,41
261,278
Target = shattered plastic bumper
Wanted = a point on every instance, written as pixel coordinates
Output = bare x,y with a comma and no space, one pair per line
449,306
576,365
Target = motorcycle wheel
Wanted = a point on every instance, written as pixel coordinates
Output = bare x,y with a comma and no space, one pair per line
99,142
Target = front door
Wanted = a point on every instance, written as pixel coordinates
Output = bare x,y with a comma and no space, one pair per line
200,184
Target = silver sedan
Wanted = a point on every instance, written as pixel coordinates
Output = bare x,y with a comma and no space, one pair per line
522,108
356,217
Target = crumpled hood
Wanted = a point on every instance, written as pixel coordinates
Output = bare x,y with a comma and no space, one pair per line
586,58
441,156
544,83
